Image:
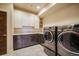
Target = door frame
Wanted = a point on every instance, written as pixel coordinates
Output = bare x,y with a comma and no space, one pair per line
7,39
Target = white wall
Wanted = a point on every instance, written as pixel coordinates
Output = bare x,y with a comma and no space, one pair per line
23,18
8,7
68,15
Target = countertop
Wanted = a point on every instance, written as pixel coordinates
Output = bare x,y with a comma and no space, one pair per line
26,33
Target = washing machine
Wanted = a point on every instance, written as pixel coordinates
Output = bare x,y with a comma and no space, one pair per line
68,41
49,42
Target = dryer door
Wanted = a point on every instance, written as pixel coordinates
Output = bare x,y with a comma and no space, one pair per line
48,36
69,40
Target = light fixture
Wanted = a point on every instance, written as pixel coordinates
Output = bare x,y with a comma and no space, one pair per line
46,8
38,7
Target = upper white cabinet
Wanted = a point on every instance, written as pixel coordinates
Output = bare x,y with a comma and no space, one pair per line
36,22
25,19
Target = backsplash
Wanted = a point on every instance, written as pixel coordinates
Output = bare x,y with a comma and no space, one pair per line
27,29
21,30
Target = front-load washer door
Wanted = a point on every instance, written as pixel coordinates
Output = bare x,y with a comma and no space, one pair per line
48,36
69,40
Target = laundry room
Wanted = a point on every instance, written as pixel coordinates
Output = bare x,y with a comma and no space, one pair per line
39,29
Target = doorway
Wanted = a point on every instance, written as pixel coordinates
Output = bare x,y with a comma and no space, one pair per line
3,32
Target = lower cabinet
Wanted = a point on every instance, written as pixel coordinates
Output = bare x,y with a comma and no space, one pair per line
3,45
22,41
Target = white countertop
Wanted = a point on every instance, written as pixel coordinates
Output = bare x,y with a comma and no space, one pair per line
26,33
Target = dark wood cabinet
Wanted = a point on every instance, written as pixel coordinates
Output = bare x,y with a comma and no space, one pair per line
3,32
17,42
21,41
3,43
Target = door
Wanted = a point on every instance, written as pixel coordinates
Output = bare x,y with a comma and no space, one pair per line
3,32
69,40
48,36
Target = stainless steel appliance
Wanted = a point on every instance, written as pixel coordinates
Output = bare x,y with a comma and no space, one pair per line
68,41
49,42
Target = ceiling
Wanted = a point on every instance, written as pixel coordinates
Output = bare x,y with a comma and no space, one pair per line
30,7
45,9
55,9
58,7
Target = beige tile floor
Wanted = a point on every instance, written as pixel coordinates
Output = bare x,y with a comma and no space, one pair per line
36,50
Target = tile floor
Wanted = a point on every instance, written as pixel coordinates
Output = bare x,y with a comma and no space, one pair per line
36,50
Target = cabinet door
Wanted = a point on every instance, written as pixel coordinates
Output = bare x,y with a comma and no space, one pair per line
3,33
17,42
25,41
34,39
40,38
3,45
36,22
17,19
3,21
21,41
37,39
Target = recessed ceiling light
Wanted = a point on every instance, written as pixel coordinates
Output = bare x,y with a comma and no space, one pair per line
38,7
